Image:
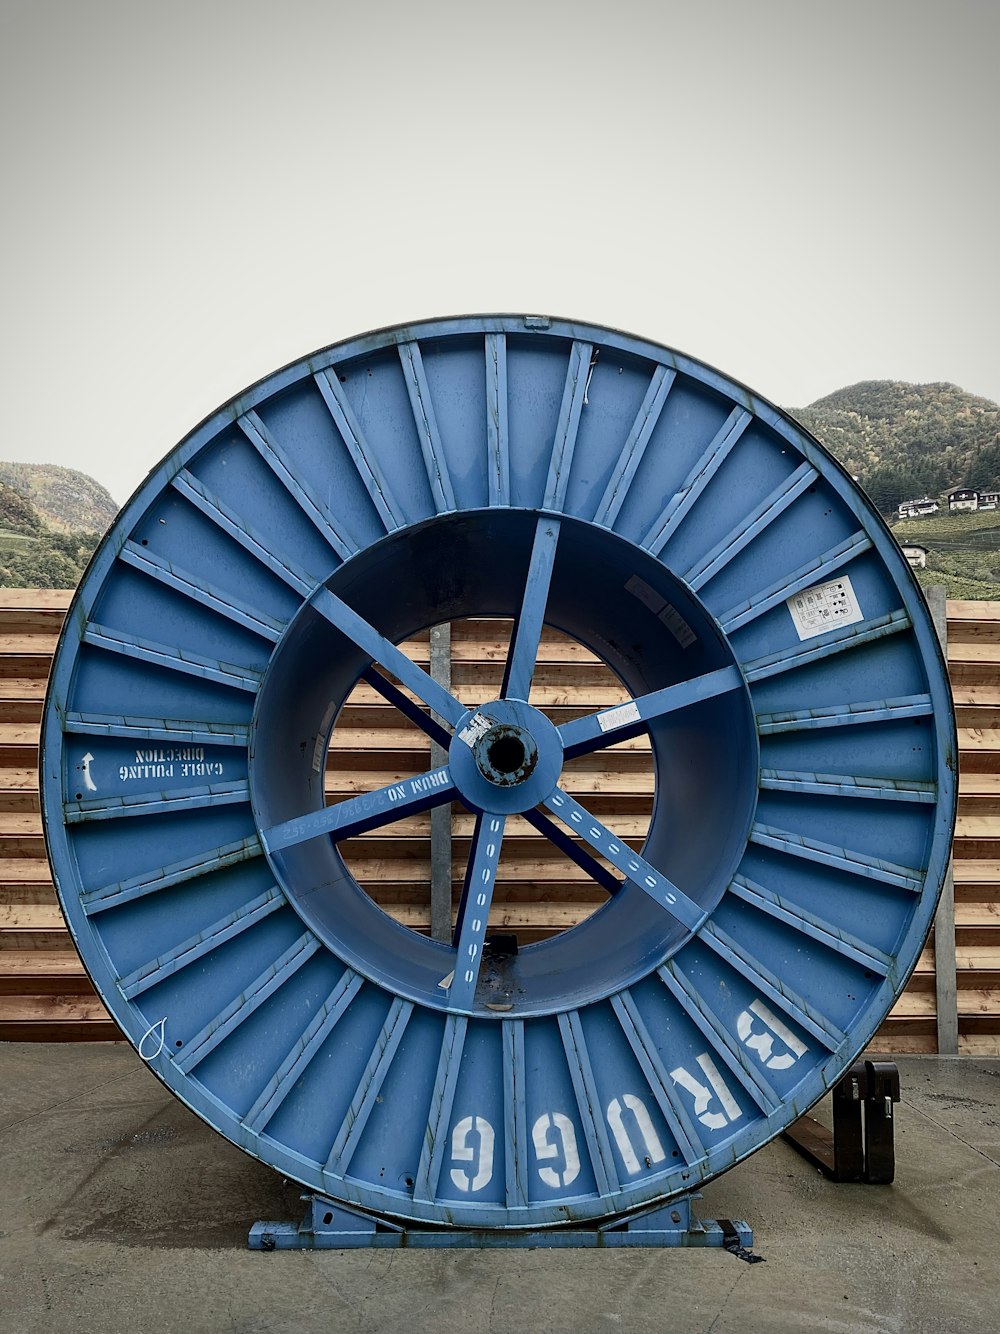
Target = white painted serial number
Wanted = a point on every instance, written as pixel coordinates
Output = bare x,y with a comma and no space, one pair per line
413,787
553,1135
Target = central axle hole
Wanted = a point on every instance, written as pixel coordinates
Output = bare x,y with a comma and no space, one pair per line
506,754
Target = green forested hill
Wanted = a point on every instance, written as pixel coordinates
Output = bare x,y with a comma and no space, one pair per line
18,515
64,499
50,521
903,441
906,440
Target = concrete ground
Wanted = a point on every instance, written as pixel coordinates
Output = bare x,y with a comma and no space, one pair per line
120,1211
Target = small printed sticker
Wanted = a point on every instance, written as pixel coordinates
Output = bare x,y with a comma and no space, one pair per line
822,608
677,626
477,725
611,718
646,595
662,610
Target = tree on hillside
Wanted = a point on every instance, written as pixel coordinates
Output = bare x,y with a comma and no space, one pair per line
889,485
56,560
903,440
984,472
43,567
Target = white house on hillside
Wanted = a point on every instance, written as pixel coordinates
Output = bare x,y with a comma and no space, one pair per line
912,509
963,499
915,554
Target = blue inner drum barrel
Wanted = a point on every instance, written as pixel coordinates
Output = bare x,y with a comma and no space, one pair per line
772,644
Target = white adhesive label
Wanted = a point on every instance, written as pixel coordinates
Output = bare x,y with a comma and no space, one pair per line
477,725
822,608
662,610
677,626
625,713
646,595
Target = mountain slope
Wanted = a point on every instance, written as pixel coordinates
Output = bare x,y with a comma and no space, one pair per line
904,440
64,499
51,519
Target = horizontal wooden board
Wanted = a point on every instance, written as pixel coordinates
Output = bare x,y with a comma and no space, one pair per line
974,739
28,645
972,609
44,972
977,826
48,1009
30,599
973,650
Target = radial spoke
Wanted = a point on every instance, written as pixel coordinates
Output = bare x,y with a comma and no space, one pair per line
407,707
319,514
632,864
366,811
295,1064
581,362
750,527
682,1126
435,1144
473,914
204,942
496,419
581,1072
387,655
260,545
151,882
817,928
733,1055
156,803
564,842
149,652
845,715
635,446
841,859
515,1103
682,501
425,421
775,988
848,785
375,481
201,590
182,731
597,730
825,646
367,1095
527,634
812,572
250,999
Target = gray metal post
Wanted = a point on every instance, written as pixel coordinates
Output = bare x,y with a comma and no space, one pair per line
441,923
945,978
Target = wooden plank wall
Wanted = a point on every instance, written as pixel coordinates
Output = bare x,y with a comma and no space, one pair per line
44,991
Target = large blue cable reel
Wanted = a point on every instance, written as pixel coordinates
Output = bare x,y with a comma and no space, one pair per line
773,645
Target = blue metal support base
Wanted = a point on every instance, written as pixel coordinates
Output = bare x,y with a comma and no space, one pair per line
329,1226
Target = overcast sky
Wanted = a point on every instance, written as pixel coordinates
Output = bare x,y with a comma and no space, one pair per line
803,194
